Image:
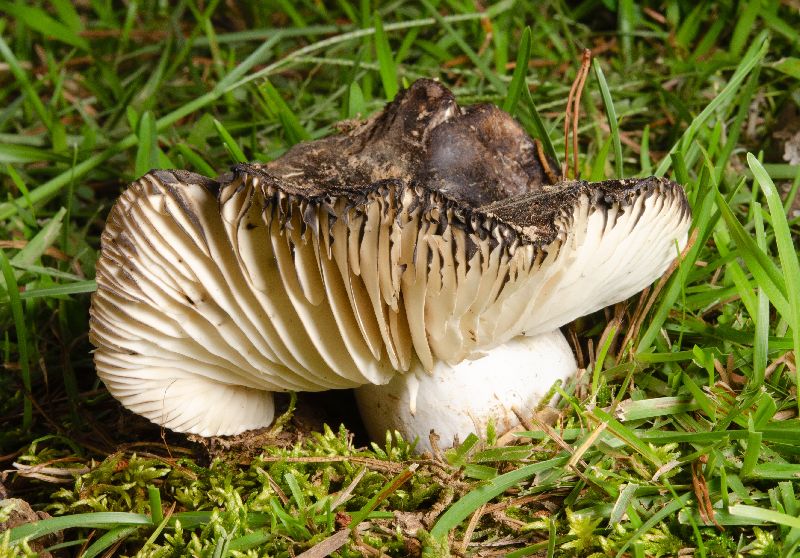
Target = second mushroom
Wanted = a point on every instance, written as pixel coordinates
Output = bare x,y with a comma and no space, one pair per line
427,257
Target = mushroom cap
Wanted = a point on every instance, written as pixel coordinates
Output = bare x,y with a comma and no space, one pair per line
427,234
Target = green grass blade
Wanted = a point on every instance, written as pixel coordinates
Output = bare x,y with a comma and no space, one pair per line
751,454
39,20
68,15
540,131
192,519
22,187
496,82
644,154
288,119
679,167
386,64
787,252
457,457
230,144
626,15
393,484
35,247
598,170
289,8
735,129
251,540
777,23
551,532
627,436
157,517
78,287
156,513
761,317
147,151
764,270
744,27
356,106
520,71
22,337
22,78
611,115
108,539
297,492
11,153
195,161
325,44
471,501
623,501
597,367
757,514
99,520
227,83
49,271
751,59
793,191
660,515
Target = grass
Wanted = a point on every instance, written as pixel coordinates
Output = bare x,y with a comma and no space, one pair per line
680,437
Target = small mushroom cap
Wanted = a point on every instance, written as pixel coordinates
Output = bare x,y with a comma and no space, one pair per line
428,234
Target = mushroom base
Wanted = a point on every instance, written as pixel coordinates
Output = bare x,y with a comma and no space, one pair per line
454,401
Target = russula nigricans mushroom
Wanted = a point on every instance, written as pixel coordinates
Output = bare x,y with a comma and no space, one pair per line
423,254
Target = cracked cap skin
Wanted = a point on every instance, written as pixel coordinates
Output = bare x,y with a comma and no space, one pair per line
426,234
474,155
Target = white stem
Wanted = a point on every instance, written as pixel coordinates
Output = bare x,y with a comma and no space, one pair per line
455,401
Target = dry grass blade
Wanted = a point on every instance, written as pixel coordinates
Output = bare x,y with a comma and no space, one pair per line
327,546
347,493
704,505
572,114
473,523
586,62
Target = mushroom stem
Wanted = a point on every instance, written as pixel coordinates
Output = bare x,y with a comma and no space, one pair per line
455,401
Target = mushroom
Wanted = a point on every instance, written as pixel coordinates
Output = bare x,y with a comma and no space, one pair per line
423,254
